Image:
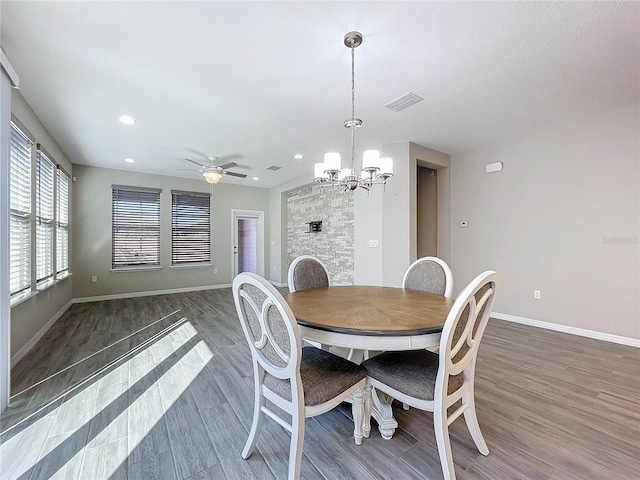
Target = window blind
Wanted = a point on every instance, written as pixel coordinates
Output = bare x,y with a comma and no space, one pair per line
135,226
45,174
190,227
20,211
62,222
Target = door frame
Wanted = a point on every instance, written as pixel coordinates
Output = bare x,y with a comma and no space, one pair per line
241,214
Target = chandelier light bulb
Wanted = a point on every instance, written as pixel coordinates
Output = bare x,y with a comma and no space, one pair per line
370,159
332,162
386,166
318,172
345,172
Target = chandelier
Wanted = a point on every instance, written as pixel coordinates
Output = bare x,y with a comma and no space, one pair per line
375,170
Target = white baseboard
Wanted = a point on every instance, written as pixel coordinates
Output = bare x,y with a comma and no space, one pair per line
36,338
607,337
117,296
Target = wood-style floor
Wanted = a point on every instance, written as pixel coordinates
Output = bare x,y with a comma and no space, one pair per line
178,406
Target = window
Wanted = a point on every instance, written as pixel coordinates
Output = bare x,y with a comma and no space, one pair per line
190,228
135,227
62,223
45,173
20,211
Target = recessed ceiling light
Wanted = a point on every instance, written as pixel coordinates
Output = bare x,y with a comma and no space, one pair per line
127,119
298,156
255,178
129,160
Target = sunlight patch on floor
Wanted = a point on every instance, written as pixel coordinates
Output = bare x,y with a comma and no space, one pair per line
97,427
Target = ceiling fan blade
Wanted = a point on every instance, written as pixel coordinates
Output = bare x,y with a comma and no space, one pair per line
234,174
227,165
233,156
197,163
197,152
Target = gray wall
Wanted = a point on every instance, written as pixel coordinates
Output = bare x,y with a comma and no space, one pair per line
562,217
29,317
92,233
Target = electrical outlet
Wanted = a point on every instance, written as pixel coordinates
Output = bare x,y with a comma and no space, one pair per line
94,278
373,243
536,294
215,270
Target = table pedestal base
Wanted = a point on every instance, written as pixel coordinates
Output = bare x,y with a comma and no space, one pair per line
382,412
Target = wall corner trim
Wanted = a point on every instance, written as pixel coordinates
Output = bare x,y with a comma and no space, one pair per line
607,337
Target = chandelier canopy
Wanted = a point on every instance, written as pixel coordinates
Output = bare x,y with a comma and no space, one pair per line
375,170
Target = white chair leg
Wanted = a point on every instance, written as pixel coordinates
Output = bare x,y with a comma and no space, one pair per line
471,418
405,406
366,424
256,424
441,429
357,409
295,449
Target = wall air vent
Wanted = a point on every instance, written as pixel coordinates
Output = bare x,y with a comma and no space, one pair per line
273,168
405,101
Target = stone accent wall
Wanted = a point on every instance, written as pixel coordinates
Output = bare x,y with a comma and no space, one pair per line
334,245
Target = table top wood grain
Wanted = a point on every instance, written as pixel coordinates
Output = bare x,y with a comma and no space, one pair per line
370,310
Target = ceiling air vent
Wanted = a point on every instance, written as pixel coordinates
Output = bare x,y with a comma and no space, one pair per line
405,101
273,168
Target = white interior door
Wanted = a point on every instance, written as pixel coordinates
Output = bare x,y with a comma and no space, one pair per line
248,242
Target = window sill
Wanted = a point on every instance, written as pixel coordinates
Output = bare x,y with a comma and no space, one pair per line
22,297
192,265
144,268
50,283
41,287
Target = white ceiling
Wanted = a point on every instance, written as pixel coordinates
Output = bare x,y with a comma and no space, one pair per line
267,80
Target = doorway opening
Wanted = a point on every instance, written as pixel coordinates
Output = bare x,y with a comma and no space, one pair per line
248,242
427,212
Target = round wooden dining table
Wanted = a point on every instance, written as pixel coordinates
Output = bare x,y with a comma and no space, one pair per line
371,318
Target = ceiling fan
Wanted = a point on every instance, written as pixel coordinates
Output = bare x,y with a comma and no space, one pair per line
213,173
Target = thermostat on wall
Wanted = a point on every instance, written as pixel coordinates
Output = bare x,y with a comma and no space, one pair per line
493,167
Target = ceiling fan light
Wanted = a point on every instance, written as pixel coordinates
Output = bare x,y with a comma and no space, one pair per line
212,176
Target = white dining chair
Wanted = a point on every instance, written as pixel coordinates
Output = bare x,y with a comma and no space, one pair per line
431,275
306,271
302,382
434,382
